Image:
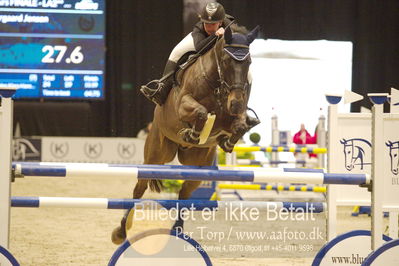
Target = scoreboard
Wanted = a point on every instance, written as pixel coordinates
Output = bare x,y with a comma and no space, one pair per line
53,48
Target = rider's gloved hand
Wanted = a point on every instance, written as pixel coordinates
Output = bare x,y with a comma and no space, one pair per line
220,32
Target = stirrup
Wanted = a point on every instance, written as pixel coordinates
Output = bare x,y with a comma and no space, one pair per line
147,89
151,93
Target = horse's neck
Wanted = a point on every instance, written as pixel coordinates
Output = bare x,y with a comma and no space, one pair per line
210,63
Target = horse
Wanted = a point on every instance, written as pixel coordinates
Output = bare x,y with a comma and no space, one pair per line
355,151
394,155
214,85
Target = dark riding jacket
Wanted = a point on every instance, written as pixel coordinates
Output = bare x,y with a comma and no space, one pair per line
201,38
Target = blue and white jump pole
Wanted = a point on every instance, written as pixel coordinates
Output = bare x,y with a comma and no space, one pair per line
194,205
294,175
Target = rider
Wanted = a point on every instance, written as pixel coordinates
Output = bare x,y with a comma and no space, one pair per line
212,24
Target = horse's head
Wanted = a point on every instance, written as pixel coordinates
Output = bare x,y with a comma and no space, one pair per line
233,69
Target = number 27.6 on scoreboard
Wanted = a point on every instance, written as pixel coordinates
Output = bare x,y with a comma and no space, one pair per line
61,54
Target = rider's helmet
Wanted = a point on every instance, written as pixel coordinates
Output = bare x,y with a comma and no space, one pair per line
213,12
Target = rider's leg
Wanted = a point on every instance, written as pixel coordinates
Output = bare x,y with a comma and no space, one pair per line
160,94
165,84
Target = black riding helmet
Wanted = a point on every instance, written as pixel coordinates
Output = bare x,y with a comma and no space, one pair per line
212,13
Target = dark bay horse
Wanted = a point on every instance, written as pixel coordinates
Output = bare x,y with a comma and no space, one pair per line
216,83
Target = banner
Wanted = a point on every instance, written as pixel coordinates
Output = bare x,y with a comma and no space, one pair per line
92,150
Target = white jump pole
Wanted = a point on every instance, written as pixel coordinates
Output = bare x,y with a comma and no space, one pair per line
321,140
6,114
275,139
377,166
331,195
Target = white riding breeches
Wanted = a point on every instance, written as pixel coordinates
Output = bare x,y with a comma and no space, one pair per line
184,46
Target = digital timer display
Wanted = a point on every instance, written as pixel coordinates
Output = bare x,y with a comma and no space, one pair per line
53,48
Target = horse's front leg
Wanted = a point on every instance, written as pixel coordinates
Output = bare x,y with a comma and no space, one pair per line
194,113
238,128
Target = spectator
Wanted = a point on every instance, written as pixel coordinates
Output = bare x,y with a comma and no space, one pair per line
302,137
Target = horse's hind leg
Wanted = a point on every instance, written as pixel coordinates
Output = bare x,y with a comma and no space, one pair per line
119,233
185,193
157,150
198,157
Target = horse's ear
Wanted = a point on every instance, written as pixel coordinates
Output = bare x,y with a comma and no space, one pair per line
389,143
253,34
342,141
228,36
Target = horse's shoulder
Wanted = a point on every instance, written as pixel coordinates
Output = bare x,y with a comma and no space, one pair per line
183,66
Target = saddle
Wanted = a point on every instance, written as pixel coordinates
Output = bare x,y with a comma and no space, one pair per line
183,64
151,88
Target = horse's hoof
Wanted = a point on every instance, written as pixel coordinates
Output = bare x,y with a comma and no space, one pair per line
229,150
118,236
178,227
190,136
178,230
226,145
252,121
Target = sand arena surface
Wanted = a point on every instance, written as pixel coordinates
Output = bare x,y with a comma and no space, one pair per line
82,236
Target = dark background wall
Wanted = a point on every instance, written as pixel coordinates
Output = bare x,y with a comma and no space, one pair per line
141,34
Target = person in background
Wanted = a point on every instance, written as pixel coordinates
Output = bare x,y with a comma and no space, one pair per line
302,137
143,133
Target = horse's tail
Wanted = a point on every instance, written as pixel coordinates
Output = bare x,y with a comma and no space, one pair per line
156,185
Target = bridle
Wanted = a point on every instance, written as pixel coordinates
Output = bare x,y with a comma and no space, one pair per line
224,88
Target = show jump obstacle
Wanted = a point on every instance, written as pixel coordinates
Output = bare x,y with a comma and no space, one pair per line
384,143
6,120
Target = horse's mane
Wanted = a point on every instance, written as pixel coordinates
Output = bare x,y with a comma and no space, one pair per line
239,29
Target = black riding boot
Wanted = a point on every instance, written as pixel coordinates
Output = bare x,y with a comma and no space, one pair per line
160,93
